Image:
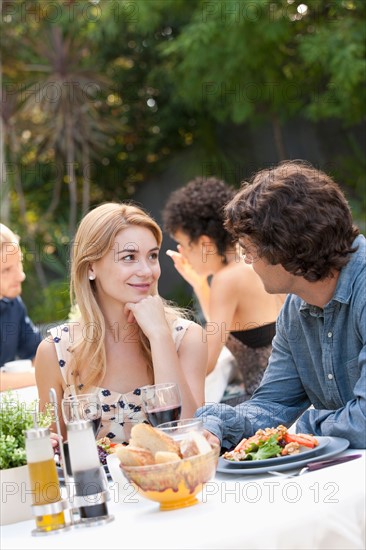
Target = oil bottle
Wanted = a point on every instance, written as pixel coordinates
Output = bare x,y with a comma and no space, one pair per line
45,485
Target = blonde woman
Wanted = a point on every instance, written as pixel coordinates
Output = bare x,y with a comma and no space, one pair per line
126,336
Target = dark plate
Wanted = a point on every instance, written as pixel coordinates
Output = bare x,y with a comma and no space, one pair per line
60,473
304,453
335,446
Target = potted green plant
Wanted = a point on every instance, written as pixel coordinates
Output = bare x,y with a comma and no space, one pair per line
16,417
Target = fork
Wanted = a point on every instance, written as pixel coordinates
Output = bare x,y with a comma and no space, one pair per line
312,466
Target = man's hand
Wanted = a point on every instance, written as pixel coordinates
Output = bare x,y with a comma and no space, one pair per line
211,438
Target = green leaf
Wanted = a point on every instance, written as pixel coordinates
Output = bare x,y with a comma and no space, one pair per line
15,418
268,449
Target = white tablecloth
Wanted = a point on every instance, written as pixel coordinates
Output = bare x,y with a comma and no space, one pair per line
324,509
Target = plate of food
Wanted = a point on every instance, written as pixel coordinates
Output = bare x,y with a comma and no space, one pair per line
272,446
332,447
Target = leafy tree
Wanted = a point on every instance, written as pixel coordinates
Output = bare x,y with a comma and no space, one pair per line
67,106
261,60
143,80
332,50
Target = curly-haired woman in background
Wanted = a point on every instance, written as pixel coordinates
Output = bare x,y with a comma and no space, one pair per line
238,311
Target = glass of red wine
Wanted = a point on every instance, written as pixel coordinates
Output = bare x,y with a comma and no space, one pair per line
86,406
161,402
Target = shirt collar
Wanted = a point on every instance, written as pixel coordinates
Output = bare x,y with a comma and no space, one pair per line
349,272
343,291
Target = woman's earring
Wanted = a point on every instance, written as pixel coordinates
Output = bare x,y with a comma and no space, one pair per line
91,277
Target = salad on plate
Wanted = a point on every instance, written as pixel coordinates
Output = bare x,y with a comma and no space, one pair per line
270,443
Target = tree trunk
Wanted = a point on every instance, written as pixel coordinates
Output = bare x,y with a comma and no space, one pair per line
70,159
86,178
56,194
278,138
23,209
4,180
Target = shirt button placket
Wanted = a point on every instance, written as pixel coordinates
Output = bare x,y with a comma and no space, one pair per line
330,375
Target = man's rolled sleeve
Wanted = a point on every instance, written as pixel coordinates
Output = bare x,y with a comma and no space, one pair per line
227,423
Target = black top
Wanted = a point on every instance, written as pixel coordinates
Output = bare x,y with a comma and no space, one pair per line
256,337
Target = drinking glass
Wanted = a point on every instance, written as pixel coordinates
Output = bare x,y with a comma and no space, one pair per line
180,429
85,406
161,402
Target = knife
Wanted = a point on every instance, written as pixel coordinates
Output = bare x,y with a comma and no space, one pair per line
318,465
312,466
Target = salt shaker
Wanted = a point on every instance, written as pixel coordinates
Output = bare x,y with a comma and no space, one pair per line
48,506
90,482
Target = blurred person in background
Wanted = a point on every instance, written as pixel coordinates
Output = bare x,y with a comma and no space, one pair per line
239,313
19,338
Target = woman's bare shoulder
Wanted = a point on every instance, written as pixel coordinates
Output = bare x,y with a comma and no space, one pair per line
237,274
247,277
46,351
192,330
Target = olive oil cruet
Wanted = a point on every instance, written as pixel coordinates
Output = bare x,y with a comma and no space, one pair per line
87,490
48,505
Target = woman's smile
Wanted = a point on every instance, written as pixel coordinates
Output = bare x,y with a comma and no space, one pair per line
140,286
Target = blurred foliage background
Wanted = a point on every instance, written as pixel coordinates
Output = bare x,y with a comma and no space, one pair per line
98,96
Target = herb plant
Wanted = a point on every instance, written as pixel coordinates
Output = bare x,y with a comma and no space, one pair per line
15,418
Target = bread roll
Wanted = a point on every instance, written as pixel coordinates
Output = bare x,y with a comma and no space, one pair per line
188,448
134,456
166,456
194,444
144,435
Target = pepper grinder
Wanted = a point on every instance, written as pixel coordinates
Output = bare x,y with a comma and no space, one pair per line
48,506
90,483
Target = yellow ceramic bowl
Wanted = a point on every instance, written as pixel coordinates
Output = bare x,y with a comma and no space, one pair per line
174,484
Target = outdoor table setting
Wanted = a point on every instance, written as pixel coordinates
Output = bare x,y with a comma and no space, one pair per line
239,506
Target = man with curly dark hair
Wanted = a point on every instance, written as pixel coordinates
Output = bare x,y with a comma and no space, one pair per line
237,309
295,228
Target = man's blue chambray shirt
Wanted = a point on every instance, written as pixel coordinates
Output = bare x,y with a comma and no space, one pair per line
19,338
319,359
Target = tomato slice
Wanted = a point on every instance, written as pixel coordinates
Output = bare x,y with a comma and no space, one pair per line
306,440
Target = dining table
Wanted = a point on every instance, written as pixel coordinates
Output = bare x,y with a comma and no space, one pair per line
323,509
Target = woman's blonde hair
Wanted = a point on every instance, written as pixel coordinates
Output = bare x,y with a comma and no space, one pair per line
94,238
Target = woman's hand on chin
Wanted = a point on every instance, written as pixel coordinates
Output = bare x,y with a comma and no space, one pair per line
148,313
